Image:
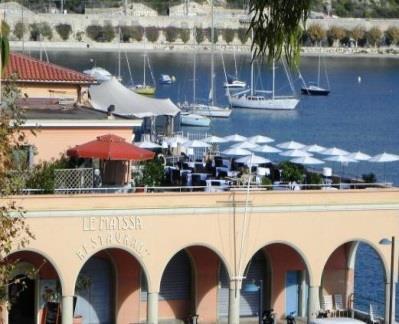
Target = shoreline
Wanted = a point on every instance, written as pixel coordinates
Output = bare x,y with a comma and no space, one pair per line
184,48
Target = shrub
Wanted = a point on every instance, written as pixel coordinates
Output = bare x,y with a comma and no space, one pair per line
184,34
208,33
314,179
291,171
374,36
316,33
34,32
228,35
369,178
64,30
152,173
93,31
132,32
152,34
266,182
19,30
40,29
5,28
101,34
108,33
79,36
243,35
199,35
171,34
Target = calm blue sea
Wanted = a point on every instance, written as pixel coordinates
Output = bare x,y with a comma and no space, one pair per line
356,116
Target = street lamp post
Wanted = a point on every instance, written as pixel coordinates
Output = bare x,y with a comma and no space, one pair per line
391,242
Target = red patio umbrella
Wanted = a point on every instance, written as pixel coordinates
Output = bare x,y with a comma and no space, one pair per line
110,147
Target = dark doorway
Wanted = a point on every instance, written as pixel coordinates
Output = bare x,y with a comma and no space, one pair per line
22,297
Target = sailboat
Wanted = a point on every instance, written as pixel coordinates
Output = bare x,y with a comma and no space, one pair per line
210,109
314,89
232,82
144,88
257,99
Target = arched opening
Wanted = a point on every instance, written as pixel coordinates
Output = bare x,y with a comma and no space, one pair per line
283,274
34,290
107,289
189,285
355,274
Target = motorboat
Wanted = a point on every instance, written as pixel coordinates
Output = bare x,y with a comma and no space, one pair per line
98,73
206,110
314,90
235,84
167,79
188,119
142,89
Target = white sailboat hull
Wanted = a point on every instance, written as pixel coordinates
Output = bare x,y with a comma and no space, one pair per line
207,110
236,84
194,120
261,102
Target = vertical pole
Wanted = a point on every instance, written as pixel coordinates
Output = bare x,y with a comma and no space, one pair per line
62,7
194,67
152,308
234,301
318,70
119,53
212,56
260,301
252,68
274,76
391,290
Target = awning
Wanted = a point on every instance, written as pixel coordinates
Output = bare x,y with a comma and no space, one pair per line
110,147
129,103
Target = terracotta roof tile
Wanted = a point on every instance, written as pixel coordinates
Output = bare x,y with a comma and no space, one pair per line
30,69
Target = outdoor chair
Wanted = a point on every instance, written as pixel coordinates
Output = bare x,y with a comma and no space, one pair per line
327,308
339,305
372,318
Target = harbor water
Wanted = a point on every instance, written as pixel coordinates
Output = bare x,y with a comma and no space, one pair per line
361,113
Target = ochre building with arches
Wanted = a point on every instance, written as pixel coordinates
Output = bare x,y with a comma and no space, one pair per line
153,257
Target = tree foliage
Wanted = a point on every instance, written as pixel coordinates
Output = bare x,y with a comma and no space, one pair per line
101,33
184,34
374,36
228,35
335,34
19,30
64,30
243,35
171,34
132,32
40,30
152,34
199,35
358,33
316,33
392,35
276,28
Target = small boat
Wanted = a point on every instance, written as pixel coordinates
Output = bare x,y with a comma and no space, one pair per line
188,119
314,90
235,84
167,79
146,90
206,110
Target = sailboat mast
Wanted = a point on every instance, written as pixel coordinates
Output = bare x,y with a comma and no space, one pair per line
252,76
144,69
119,53
194,67
235,63
318,71
274,76
212,57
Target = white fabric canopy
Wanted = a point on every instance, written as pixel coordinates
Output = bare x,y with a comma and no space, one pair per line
252,159
129,103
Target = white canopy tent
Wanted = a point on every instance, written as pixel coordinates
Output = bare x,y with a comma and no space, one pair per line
129,103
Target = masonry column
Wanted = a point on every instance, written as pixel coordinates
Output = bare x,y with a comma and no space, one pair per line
67,309
387,294
152,308
234,301
314,302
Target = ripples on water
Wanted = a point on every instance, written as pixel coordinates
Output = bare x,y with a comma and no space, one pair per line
356,116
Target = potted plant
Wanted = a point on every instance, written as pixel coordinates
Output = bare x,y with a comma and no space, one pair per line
151,174
83,283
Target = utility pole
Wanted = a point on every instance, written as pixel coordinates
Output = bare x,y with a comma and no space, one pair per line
62,6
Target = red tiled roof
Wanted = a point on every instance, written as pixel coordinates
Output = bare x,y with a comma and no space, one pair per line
29,69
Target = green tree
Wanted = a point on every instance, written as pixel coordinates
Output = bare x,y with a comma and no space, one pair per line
64,30
108,33
374,36
358,34
228,35
335,35
184,34
132,32
19,30
292,171
171,34
94,32
199,35
316,33
392,35
243,35
152,34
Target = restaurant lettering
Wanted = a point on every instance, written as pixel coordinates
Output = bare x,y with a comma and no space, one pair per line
112,223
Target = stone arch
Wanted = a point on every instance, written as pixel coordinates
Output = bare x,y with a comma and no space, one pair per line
138,258
289,244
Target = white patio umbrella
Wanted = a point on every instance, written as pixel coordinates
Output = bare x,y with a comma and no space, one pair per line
343,159
314,148
235,138
360,156
165,145
196,144
245,145
334,151
255,160
307,160
178,139
266,149
236,151
215,140
295,153
384,158
260,139
147,145
291,145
